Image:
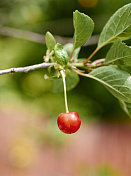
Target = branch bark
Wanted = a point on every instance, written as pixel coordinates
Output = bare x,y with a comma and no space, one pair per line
25,69
39,38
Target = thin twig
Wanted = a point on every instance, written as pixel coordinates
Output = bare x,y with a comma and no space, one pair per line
21,34
25,69
98,61
39,38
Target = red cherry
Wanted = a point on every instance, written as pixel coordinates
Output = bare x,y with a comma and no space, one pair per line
69,122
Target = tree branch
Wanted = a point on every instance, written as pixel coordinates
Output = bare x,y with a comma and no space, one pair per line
25,69
39,38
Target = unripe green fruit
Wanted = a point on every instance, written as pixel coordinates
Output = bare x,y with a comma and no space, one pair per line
61,55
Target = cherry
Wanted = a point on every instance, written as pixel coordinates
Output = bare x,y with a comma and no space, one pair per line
69,122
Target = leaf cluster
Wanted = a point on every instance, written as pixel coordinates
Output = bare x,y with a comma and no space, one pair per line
114,71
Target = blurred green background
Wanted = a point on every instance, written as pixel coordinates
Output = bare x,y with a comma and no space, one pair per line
90,99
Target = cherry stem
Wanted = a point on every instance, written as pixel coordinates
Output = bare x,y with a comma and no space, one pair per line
64,83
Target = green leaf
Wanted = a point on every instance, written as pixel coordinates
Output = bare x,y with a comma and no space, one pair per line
117,81
126,107
118,25
61,55
50,41
69,47
51,73
84,26
125,68
119,53
72,79
126,34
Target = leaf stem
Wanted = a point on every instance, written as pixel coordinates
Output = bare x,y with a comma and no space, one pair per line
65,95
77,64
95,64
79,72
71,54
94,52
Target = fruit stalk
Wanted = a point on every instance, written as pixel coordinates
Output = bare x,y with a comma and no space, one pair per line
65,95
